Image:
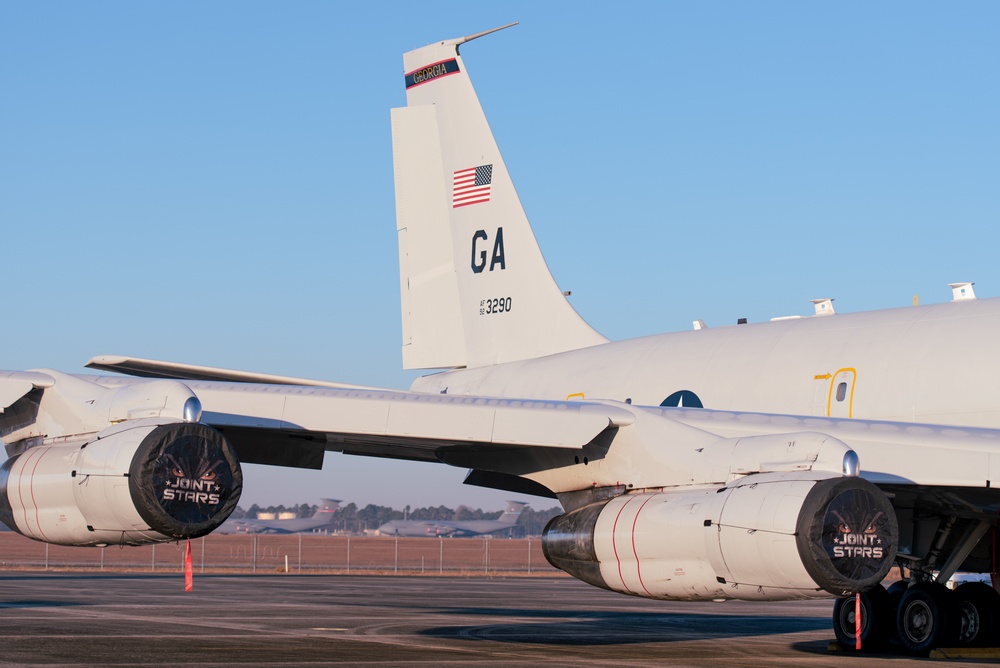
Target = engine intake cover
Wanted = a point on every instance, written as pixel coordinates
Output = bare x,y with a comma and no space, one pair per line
185,480
846,535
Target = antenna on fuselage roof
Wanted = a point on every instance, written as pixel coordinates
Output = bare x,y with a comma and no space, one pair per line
820,307
823,306
962,291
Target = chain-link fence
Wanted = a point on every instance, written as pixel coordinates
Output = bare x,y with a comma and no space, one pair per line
294,553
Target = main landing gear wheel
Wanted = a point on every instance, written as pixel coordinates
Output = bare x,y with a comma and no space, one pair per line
978,607
927,618
876,618
896,591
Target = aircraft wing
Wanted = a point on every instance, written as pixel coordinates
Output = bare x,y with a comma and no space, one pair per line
294,425
891,453
264,421
533,446
16,384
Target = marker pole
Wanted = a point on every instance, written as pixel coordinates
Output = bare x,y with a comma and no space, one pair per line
188,568
857,621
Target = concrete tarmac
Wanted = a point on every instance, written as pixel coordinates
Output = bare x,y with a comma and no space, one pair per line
353,620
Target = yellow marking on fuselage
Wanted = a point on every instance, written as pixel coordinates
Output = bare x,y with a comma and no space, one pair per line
576,395
829,396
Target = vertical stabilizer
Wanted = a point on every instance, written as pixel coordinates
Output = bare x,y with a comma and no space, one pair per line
475,287
326,508
512,512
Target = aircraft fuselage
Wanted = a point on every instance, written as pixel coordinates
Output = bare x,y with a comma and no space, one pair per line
933,364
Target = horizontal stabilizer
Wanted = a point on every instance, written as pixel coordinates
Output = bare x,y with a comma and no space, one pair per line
144,368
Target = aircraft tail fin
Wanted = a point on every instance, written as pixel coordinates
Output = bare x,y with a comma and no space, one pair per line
475,288
327,507
512,512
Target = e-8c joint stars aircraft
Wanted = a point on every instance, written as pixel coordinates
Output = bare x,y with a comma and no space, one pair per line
793,459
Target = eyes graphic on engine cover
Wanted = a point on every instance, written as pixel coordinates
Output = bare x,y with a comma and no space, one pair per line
854,533
847,542
192,478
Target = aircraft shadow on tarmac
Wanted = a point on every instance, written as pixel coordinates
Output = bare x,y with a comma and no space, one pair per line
618,628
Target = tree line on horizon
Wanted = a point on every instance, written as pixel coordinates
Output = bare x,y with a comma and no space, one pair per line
352,519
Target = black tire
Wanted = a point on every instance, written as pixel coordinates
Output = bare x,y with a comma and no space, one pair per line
896,591
978,607
876,620
927,618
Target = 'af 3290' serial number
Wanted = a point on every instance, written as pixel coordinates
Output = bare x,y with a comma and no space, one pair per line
494,306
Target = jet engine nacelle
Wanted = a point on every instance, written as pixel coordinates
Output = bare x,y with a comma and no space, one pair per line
137,482
768,536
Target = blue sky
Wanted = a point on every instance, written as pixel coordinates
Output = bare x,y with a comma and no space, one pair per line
212,182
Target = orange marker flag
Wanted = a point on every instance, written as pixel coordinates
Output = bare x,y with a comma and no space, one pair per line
188,570
857,619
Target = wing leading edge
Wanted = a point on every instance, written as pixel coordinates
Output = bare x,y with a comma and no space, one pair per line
146,368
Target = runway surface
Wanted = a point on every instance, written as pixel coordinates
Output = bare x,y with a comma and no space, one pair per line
288,620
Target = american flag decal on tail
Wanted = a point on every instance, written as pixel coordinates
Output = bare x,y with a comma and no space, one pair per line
471,186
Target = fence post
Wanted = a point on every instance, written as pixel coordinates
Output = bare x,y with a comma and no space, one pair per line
46,556
529,555
203,553
300,553
102,558
486,561
348,554
253,544
395,563
152,566
441,554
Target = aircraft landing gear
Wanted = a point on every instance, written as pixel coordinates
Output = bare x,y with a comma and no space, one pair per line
921,617
927,618
978,607
876,620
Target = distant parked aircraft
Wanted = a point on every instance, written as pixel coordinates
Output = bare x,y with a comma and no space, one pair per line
320,520
443,528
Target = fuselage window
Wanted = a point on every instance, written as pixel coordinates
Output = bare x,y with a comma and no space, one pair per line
841,391
682,399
